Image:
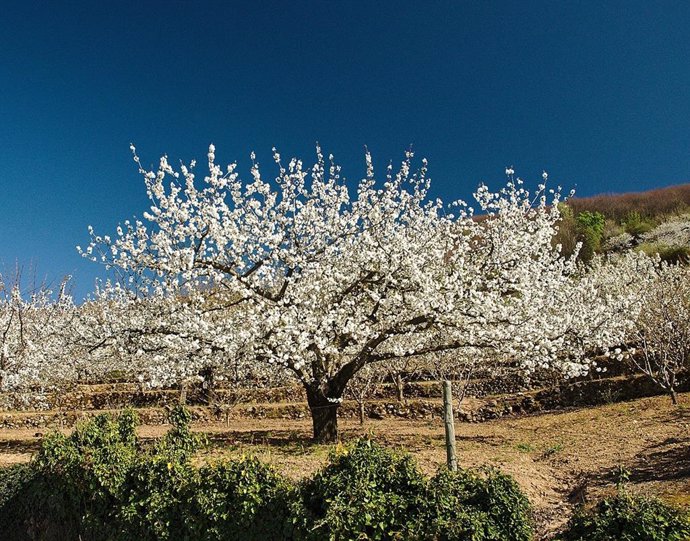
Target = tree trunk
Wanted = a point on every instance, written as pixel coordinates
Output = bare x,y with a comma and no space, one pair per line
674,396
361,412
400,387
324,415
208,385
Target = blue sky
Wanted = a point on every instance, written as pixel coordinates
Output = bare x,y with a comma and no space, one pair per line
596,93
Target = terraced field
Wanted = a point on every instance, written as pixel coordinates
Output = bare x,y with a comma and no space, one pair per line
560,455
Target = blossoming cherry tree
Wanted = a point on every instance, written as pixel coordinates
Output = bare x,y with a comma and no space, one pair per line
308,273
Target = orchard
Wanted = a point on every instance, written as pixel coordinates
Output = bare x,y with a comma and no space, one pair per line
309,275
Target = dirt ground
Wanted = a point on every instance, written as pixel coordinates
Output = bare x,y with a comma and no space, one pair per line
560,459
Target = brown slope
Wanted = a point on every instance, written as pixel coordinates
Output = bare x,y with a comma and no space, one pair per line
651,203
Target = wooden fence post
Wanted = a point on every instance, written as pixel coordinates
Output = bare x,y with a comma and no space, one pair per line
450,426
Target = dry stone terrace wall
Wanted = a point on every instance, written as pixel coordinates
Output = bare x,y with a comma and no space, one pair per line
120,394
423,402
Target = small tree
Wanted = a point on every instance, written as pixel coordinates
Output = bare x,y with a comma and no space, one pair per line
566,231
581,234
400,370
306,274
363,385
458,367
661,336
36,344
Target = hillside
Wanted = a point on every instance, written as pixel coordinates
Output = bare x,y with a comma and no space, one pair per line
655,221
653,204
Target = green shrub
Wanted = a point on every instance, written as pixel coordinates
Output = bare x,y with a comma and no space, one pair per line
12,480
590,228
636,225
567,234
88,471
593,221
240,499
586,228
629,518
364,492
89,485
475,505
154,503
180,441
31,510
101,484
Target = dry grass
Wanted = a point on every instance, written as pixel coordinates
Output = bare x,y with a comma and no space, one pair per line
649,204
559,459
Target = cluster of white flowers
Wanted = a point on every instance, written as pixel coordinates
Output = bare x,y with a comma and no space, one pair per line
302,274
674,232
36,343
660,337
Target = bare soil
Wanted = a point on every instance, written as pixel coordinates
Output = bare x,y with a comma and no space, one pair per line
560,459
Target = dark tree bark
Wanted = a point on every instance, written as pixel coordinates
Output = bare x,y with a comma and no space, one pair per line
324,396
672,388
208,385
324,415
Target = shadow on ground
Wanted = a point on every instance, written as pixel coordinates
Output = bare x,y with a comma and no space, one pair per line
20,446
668,460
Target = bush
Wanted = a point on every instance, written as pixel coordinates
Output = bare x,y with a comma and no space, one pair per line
155,504
369,492
101,484
476,505
242,499
636,225
586,228
628,518
365,492
590,227
73,486
87,472
592,221
12,480
567,234
90,484
169,499
30,510
121,490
